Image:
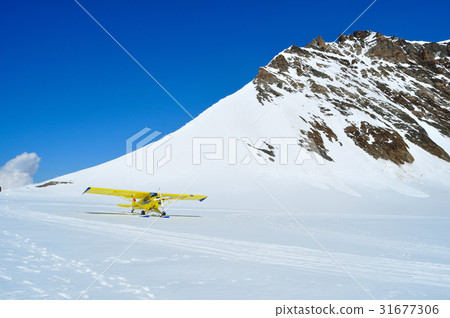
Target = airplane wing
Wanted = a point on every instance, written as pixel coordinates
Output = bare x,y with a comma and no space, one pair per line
118,193
171,196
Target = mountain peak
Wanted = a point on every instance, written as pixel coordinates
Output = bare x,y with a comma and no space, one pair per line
389,48
388,92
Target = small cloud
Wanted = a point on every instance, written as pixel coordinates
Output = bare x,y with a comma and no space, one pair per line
19,171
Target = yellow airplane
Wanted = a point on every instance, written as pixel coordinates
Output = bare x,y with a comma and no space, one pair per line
148,201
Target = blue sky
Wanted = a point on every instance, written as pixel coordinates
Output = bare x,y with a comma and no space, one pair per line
70,94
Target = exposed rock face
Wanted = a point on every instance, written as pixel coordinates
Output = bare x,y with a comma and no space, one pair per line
317,43
380,142
389,92
263,80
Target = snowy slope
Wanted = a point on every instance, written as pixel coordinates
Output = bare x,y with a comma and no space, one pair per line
355,208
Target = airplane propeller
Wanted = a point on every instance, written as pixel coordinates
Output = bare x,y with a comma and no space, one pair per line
161,201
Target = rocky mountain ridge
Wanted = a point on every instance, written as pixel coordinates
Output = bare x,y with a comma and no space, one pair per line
388,90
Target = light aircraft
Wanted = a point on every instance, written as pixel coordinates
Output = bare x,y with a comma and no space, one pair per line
146,201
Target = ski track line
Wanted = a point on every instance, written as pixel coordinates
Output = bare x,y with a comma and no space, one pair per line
306,259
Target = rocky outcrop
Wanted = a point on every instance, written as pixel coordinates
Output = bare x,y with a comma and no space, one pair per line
380,142
312,141
317,43
280,63
263,82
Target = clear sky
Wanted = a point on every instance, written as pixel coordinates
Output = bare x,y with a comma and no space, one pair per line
73,96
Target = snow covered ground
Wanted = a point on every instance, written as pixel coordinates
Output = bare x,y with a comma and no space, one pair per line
56,250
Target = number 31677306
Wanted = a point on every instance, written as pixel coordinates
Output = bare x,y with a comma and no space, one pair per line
408,309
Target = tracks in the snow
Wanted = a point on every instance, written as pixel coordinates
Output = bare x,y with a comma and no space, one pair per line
297,257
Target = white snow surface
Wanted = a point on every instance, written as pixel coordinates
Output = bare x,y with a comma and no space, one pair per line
354,228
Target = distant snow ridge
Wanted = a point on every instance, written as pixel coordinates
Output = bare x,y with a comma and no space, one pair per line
19,171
